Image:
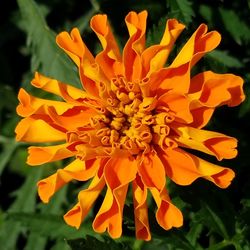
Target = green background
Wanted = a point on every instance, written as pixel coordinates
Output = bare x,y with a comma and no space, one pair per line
214,218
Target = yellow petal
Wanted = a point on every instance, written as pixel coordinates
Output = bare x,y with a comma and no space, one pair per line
136,24
36,130
86,198
177,75
213,89
67,92
154,57
197,46
75,118
152,172
140,210
209,142
41,155
118,174
178,104
76,170
184,168
30,104
201,115
110,56
167,215
74,46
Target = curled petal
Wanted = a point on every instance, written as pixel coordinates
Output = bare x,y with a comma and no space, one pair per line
41,155
184,168
177,75
141,210
136,24
209,142
167,214
118,174
36,130
30,104
197,46
178,104
213,89
154,57
201,115
74,46
76,170
69,93
73,118
86,199
110,57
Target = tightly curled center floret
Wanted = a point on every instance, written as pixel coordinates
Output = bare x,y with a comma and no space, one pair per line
128,119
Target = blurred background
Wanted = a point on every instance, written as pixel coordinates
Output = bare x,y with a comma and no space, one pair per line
214,218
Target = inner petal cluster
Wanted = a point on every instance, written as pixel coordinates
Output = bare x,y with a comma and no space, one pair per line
126,121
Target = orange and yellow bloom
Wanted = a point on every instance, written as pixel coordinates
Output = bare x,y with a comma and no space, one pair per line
130,123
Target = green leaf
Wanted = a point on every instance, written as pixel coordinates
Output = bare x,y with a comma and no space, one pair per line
46,56
61,245
24,202
223,58
9,146
49,225
206,12
35,241
194,233
91,243
35,233
236,27
214,223
182,10
156,32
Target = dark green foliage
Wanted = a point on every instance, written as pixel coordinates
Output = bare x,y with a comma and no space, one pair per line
214,219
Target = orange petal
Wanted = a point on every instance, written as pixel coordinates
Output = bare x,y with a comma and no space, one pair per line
167,215
178,104
197,46
72,119
152,171
118,174
110,56
74,46
184,168
166,79
76,170
177,75
136,24
67,92
141,210
86,198
201,115
30,104
154,57
41,155
36,130
213,89
209,142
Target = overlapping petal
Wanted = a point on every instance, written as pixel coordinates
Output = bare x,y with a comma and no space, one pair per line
118,174
184,168
76,170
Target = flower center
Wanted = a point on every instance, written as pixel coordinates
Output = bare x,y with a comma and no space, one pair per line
127,120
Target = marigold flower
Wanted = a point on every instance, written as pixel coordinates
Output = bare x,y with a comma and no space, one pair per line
131,124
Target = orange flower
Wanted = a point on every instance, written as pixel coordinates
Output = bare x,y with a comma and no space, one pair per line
132,124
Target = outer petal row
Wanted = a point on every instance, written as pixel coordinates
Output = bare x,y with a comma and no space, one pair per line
184,168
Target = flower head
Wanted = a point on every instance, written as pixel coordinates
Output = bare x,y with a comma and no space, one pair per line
131,123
